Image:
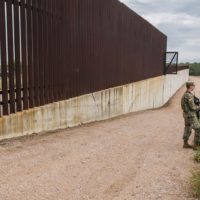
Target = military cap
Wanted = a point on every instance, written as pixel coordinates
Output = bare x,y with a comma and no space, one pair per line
189,84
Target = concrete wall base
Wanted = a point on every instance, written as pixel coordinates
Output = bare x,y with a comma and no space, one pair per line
138,96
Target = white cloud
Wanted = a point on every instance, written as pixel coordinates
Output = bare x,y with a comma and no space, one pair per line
172,18
178,19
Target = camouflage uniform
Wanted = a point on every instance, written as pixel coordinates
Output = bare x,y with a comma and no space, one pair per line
190,116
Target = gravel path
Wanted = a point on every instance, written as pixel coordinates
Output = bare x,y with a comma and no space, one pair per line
135,157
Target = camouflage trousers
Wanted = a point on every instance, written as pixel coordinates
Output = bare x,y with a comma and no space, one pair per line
192,123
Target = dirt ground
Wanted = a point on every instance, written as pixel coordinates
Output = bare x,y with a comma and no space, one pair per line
135,157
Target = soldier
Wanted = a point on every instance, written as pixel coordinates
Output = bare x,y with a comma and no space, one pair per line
190,116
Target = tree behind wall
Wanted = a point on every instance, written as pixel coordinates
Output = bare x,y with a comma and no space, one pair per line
195,69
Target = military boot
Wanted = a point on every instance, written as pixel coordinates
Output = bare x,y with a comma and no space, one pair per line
186,145
196,147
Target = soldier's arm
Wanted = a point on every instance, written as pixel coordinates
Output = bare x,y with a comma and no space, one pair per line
191,103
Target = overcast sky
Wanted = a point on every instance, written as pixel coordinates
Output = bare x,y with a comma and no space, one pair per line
178,19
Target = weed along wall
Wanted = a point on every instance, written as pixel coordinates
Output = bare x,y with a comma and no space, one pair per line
97,106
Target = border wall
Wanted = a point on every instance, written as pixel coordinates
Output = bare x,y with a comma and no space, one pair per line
54,50
66,63
142,95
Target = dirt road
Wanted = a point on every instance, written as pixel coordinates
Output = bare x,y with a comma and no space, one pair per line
135,157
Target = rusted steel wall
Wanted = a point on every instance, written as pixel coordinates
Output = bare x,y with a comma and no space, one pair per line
54,50
173,68
183,67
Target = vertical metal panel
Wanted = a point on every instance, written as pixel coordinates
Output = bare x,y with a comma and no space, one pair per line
3,58
30,53
62,41
58,63
35,52
54,52
45,52
24,54
69,54
60,38
40,54
73,41
66,52
10,57
17,55
50,33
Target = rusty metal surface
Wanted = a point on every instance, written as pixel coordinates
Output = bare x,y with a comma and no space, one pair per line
183,66
174,68
72,47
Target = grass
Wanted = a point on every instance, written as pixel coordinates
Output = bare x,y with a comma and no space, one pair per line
197,156
195,69
195,179
195,184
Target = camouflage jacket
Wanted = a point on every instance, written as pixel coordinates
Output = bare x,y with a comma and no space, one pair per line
188,106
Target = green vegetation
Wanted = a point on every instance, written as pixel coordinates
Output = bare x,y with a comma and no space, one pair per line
195,179
197,156
194,69
195,184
